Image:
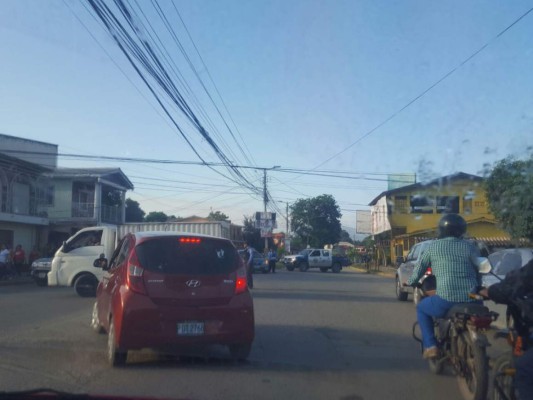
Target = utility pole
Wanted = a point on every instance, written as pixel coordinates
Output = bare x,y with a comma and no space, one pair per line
288,236
265,200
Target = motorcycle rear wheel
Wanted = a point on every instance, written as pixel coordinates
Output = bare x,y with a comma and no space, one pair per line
473,378
501,383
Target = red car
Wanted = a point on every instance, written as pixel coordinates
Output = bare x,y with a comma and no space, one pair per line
170,291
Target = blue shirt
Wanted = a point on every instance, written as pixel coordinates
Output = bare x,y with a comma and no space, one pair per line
453,262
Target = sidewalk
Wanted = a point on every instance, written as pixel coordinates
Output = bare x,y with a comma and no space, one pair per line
17,280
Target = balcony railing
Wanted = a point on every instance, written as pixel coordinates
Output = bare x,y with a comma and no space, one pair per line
109,214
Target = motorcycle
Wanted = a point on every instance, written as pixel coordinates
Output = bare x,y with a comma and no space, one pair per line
462,343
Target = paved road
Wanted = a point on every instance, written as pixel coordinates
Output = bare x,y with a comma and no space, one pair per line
318,336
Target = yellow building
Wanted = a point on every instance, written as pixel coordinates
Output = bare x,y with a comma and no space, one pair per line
404,216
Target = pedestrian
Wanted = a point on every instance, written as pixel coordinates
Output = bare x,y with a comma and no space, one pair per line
19,257
34,255
249,259
272,261
4,260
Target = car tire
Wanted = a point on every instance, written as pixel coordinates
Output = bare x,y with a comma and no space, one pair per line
336,268
95,321
323,269
115,357
303,266
289,268
85,285
240,352
400,294
41,282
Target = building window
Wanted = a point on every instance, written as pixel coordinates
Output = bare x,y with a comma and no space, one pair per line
45,195
447,204
401,205
422,204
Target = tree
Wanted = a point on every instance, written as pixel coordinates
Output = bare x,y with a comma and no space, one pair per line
156,216
134,212
252,235
316,220
509,189
345,237
217,216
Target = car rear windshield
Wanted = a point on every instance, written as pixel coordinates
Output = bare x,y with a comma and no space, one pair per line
203,256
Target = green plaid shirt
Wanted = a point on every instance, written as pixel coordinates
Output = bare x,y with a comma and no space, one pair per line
452,262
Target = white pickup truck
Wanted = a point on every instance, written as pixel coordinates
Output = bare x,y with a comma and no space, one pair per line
72,264
315,258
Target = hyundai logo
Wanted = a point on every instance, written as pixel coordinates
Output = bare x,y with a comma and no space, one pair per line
193,283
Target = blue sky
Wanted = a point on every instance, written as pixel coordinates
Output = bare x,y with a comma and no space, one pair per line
302,81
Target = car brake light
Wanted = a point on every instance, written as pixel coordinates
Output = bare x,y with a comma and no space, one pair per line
135,276
241,284
191,240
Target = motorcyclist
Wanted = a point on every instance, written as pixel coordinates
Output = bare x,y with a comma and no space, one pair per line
516,291
453,263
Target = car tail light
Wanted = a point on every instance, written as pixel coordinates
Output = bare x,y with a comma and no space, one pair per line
135,275
481,322
191,240
241,283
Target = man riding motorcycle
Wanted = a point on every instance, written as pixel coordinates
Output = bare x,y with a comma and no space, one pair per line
453,263
516,290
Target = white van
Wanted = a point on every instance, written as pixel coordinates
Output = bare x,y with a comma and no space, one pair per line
72,264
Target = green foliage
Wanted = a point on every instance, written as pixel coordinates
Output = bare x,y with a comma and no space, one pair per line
316,221
156,216
134,212
509,189
217,216
345,237
251,234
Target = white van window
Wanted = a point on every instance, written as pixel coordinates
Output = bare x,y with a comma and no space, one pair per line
84,239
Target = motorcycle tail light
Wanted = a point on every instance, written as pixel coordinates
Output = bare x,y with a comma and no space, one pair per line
481,322
429,271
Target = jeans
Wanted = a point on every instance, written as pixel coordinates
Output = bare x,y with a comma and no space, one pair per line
429,308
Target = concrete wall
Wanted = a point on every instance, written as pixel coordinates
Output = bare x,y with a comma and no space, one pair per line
62,200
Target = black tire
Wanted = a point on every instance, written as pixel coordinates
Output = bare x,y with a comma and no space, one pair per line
240,352
502,384
474,379
115,356
289,267
400,294
336,268
41,282
85,285
323,269
95,321
303,266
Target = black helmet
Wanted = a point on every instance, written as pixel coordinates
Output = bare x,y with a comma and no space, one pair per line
452,225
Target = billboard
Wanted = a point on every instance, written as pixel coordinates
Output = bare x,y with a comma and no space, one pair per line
363,222
266,222
380,217
396,181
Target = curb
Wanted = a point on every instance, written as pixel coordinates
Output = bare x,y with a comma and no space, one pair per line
17,282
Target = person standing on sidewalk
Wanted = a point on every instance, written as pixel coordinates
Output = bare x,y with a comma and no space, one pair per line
4,260
19,257
272,261
249,259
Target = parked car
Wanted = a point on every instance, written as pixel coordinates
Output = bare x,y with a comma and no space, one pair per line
405,270
171,291
260,263
40,269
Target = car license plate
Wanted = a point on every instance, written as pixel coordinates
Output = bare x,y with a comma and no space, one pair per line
42,274
190,328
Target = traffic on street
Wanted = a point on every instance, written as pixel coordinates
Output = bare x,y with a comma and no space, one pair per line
337,336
